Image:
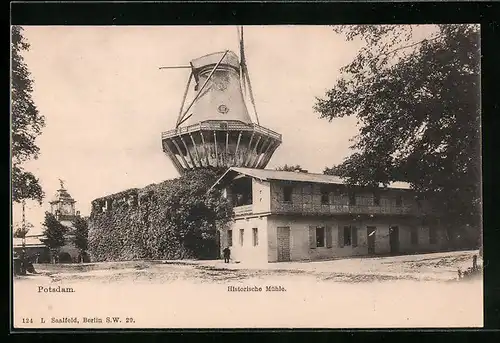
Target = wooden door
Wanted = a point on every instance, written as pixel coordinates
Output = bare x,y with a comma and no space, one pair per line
394,239
283,244
370,232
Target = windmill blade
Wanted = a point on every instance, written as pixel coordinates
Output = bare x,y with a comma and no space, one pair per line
175,67
242,60
245,75
179,118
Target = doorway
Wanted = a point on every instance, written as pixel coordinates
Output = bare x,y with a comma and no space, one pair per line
394,239
283,244
370,233
217,245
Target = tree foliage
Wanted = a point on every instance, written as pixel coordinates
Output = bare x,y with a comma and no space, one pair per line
27,123
21,231
287,167
54,232
174,219
81,234
418,107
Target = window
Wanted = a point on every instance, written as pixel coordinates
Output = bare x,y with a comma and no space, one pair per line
320,236
347,235
432,236
399,200
242,231
229,238
255,236
414,236
287,192
352,198
325,196
376,199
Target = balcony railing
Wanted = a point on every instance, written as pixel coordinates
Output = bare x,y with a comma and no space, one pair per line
223,125
241,210
284,207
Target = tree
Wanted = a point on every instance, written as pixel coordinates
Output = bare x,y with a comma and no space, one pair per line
418,108
21,231
54,233
27,123
287,167
81,233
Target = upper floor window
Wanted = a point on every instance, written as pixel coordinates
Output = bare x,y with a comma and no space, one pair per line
376,199
325,196
287,193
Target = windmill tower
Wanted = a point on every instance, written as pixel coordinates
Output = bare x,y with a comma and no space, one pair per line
215,129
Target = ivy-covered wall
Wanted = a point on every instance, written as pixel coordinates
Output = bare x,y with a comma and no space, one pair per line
175,219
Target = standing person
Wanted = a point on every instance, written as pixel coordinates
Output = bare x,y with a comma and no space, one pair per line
227,254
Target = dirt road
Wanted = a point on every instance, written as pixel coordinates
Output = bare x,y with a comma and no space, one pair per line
404,291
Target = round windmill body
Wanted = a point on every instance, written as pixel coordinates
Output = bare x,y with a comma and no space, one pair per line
215,128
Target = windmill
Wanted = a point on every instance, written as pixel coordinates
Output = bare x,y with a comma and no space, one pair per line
214,128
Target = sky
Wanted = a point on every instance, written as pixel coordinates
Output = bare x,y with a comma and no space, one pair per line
106,102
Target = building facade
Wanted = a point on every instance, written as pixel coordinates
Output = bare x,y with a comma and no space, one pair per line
62,206
293,216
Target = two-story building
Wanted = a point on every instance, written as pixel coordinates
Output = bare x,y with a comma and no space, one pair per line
291,216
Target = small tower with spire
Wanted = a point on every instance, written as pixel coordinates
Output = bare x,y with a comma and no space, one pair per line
62,205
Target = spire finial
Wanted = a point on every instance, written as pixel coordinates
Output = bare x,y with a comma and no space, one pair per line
61,181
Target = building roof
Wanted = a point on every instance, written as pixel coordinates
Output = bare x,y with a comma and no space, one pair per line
30,242
269,174
67,223
211,59
62,195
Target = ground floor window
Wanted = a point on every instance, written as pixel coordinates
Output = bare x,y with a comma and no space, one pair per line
242,231
255,236
432,235
320,236
229,238
347,235
350,237
414,236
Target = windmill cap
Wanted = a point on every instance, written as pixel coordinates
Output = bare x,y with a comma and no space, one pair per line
231,59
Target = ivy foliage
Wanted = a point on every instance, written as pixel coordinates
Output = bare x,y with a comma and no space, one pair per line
175,219
291,167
